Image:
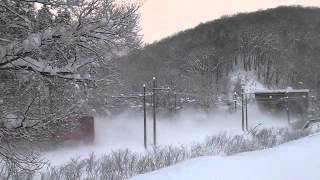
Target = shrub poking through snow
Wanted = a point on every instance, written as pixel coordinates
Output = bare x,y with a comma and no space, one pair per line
124,164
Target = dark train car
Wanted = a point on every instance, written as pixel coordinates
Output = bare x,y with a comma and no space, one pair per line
85,131
80,129
290,102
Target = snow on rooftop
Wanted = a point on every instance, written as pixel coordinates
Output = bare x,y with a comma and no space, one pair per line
282,91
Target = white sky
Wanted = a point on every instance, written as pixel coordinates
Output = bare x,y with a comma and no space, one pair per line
161,18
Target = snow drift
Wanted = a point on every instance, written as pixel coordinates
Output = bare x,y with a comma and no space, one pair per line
291,161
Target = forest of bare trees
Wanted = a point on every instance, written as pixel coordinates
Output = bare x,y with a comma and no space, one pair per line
280,46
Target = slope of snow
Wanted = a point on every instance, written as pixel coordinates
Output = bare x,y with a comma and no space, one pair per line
296,160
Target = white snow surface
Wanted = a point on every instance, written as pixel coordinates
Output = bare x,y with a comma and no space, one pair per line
297,160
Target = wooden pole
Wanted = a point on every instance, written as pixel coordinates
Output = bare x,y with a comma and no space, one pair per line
175,102
154,112
242,109
39,104
247,122
288,110
144,117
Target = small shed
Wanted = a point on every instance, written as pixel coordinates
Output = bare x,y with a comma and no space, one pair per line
292,102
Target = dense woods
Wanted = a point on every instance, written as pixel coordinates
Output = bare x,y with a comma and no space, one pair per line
280,46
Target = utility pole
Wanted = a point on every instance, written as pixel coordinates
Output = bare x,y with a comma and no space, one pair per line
287,109
235,102
144,117
154,102
313,100
143,96
247,128
175,102
242,108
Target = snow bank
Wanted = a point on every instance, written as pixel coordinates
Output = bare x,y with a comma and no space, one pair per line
291,161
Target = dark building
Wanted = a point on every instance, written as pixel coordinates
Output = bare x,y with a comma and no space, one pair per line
290,102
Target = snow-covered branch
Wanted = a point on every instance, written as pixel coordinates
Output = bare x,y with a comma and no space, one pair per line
44,55
94,26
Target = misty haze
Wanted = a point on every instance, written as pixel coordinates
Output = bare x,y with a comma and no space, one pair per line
158,90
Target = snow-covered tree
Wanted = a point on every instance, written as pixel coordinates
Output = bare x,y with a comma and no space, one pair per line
50,52
60,50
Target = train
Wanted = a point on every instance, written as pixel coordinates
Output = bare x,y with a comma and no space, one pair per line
77,130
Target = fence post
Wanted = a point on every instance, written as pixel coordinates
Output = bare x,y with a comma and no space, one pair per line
144,117
154,103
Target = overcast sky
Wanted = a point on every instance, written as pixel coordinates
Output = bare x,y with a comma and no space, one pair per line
161,18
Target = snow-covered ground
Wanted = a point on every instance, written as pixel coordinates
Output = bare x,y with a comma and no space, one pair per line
297,160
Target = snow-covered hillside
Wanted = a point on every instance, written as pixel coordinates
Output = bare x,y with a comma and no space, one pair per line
249,80
291,161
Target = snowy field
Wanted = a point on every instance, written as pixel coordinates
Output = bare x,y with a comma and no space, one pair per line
187,128
295,160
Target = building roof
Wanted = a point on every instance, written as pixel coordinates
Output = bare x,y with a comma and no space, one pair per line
282,91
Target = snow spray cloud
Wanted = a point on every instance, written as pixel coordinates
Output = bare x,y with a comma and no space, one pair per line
185,128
